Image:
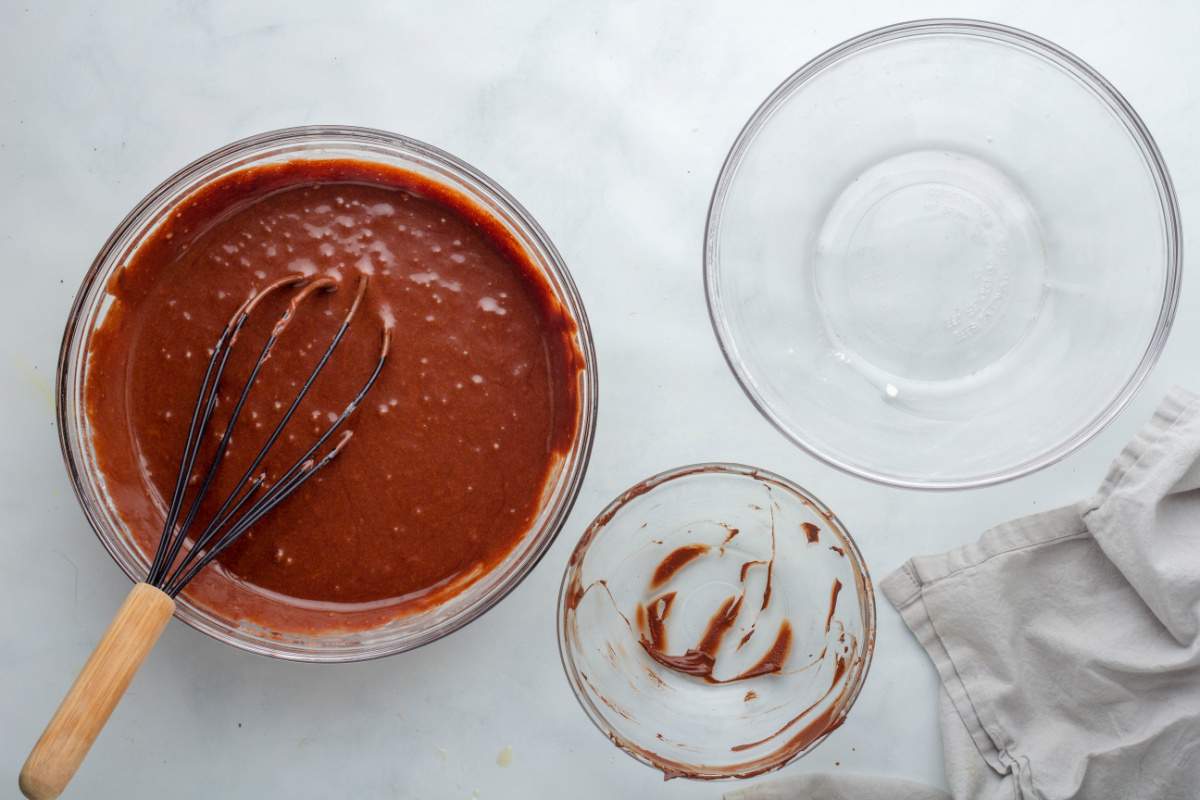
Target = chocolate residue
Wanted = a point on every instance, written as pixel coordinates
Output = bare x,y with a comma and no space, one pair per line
811,532
774,659
837,550
574,593
616,708
833,596
606,516
746,568
750,695
698,660
820,725
730,536
838,670
771,563
675,561
719,625
701,659
653,620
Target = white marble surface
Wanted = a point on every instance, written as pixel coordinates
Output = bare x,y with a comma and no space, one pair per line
609,121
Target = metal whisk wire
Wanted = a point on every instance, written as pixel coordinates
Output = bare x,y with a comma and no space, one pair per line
146,611
247,502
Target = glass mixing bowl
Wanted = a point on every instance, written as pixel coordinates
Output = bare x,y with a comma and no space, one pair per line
942,254
716,621
318,142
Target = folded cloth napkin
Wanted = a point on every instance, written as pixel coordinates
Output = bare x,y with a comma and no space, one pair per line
1068,643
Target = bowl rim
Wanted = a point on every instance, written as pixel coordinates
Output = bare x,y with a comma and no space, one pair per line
1034,45
604,516
70,440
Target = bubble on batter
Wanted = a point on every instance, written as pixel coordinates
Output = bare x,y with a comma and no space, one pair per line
380,249
423,278
458,258
476,379
364,265
304,266
381,210
490,305
388,317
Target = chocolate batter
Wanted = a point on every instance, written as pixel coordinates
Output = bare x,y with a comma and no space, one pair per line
453,446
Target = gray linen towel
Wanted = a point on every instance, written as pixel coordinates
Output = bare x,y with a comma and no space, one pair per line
1068,642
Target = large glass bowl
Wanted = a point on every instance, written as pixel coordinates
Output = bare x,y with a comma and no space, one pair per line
943,254
319,142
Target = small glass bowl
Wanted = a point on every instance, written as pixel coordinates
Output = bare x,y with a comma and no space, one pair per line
317,142
739,564
943,254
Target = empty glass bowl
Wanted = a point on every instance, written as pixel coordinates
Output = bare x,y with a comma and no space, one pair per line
943,254
716,621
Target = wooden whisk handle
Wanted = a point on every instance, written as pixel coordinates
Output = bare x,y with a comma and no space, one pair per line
86,708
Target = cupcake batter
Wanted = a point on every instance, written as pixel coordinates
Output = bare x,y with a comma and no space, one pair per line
452,449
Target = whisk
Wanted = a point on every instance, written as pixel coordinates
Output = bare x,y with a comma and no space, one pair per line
141,619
